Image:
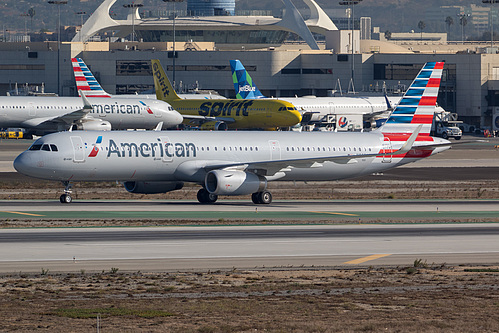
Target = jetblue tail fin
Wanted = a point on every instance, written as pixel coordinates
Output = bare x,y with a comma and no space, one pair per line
243,84
417,106
86,81
163,86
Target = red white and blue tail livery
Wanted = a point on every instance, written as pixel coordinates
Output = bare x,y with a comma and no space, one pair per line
415,109
86,81
418,104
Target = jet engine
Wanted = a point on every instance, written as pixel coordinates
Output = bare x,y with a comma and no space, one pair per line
214,126
152,187
93,125
223,182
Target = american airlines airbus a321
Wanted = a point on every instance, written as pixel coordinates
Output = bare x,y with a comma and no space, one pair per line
50,114
239,163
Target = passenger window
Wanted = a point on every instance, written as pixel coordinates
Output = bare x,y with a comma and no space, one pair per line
54,147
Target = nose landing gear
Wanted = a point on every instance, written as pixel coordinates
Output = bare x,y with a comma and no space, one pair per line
66,197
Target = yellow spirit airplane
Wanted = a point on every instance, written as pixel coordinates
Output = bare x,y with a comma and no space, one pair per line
220,114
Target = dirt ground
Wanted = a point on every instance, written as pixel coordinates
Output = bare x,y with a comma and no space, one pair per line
420,297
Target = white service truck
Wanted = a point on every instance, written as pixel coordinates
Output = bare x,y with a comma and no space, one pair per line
446,125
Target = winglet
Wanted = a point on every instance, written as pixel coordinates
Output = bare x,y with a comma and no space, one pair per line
389,106
407,146
86,104
163,87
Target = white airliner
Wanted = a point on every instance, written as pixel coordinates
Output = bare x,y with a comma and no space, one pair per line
49,114
315,109
239,163
86,81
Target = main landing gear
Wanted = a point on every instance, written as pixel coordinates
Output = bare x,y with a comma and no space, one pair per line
259,198
262,198
66,197
206,197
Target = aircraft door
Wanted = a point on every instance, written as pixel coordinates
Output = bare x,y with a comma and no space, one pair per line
387,147
79,153
168,149
31,109
275,150
331,108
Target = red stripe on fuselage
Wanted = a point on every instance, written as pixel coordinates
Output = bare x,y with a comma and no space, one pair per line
413,153
402,137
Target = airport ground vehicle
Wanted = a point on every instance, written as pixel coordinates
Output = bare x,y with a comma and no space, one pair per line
13,133
446,125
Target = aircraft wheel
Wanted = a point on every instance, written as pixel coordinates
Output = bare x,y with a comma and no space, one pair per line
66,198
264,197
206,197
255,199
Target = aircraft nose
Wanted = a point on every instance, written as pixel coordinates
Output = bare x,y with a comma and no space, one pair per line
294,117
177,118
24,164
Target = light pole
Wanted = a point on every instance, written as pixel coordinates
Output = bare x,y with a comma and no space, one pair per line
58,3
352,4
491,21
25,39
463,21
174,53
133,6
81,22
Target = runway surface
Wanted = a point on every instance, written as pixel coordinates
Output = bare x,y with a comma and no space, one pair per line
242,209
208,248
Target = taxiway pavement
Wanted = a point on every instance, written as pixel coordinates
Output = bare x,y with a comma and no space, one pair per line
209,248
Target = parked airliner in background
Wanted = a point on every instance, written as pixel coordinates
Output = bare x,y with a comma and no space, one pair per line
317,109
220,114
41,115
239,163
86,81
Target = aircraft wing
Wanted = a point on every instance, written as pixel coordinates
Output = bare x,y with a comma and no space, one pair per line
199,120
67,118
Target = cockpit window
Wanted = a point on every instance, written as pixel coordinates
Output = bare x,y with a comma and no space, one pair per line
291,109
35,147
54,147
46,147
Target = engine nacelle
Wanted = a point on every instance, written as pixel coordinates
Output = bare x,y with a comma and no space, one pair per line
152,187
94,125
223,182
214,126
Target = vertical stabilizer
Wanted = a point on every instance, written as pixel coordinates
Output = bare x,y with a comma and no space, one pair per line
163,87
86,81
243,84
417,106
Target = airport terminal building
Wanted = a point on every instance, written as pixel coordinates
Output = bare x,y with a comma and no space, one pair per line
470,83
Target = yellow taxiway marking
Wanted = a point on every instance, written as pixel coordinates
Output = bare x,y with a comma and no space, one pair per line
333,213
21,213
361,260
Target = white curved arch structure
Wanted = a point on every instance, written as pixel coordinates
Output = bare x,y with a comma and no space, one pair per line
292,21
